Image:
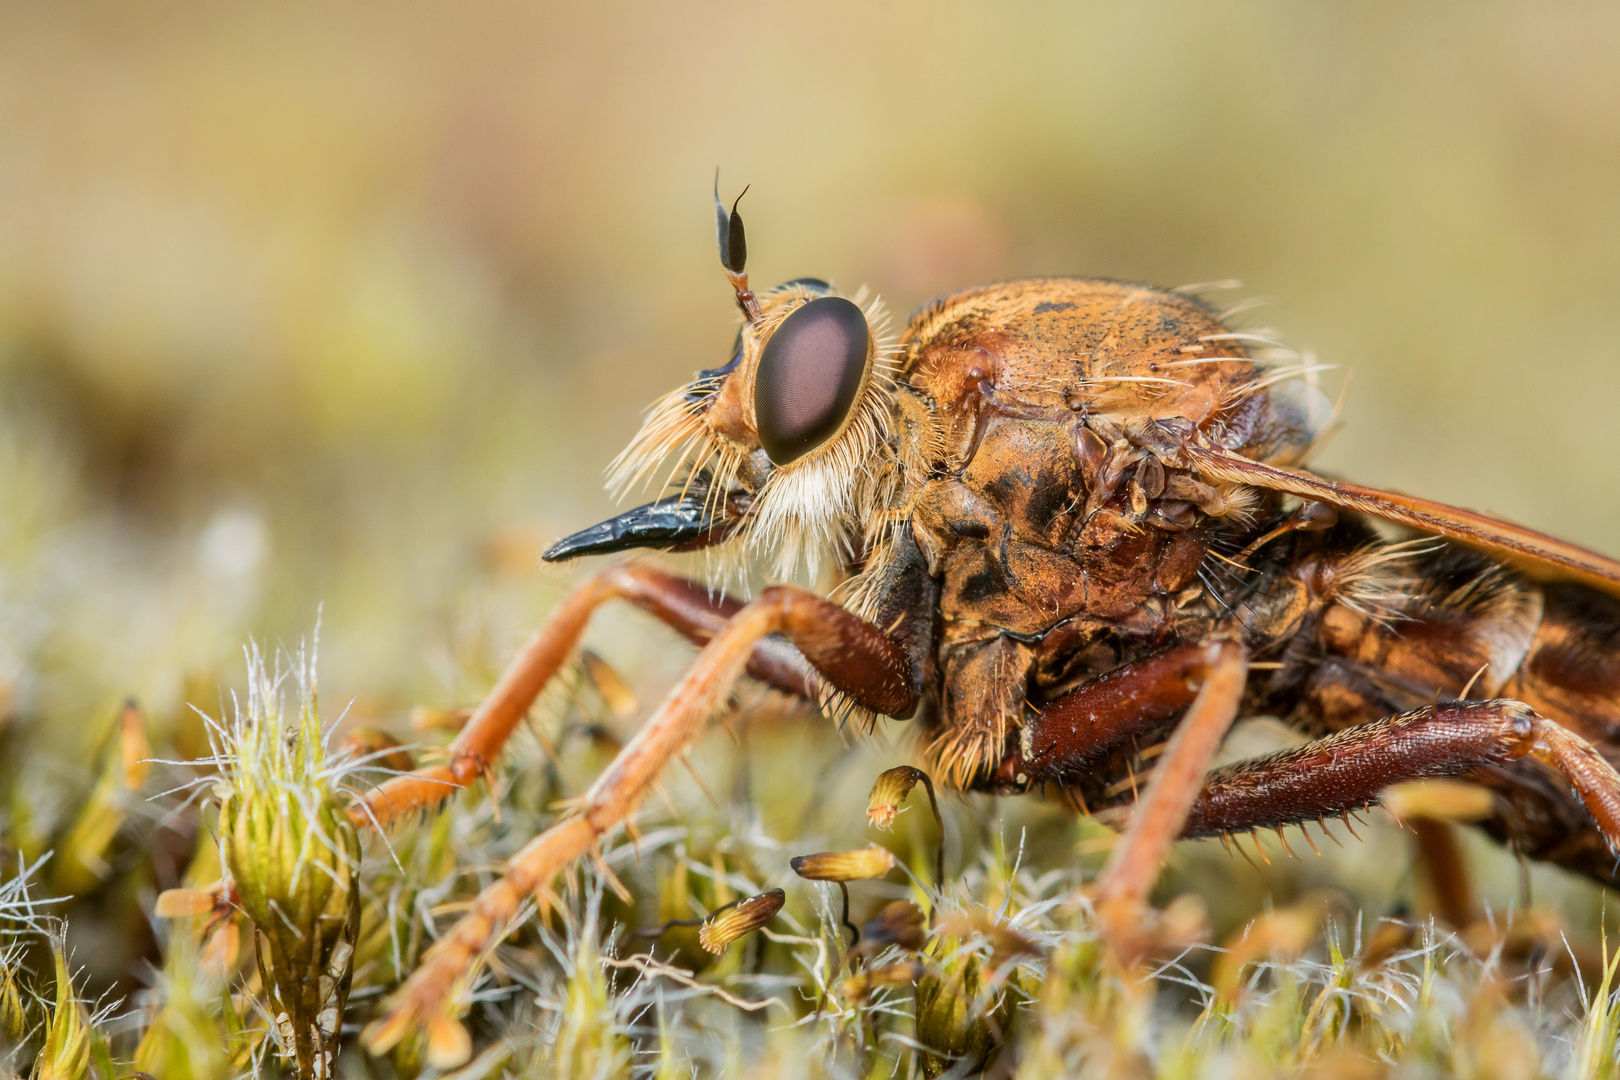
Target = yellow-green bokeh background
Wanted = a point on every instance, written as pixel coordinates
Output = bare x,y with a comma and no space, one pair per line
350,304
306,303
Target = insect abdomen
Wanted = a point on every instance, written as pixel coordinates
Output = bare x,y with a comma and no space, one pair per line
1571,672
1468,628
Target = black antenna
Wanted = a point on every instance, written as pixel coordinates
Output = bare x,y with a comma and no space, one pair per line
728,229
728,232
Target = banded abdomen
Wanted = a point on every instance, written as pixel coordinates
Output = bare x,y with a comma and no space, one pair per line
1434,622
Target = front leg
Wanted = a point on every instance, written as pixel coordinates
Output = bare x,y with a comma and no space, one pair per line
686,606
864,663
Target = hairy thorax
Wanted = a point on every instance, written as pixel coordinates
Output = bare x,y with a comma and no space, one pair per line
1062,545
1019,556
1035,593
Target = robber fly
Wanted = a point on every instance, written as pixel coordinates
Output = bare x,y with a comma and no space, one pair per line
1071,522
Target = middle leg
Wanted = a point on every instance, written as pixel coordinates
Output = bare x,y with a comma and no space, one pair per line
1161,813
1204,682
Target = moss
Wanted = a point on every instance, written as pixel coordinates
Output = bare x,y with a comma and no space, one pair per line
999,972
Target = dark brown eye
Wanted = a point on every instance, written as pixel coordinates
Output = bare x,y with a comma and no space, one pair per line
808,377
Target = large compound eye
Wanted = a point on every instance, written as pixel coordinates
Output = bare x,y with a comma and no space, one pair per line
809,376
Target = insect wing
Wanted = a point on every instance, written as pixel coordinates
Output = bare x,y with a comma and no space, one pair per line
1535,553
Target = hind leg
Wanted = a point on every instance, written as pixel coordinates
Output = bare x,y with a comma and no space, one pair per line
1349,770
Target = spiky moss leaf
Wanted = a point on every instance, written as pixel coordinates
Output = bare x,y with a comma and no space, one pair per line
294,856
961,1022
588,1040
392,934
297,875
13,1006
187,1039
1597,1051
1273,1034
670,1063
242,1034
1089,1020
66,1054
81,854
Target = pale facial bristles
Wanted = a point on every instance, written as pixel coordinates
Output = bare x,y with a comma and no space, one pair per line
803,515
806,514
673,430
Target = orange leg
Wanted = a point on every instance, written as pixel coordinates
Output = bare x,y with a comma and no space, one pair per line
1588,772
855,656
684,605
1162,811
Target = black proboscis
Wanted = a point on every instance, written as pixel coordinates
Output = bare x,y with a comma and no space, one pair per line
677,523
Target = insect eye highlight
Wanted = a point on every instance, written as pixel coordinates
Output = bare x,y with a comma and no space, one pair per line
809,376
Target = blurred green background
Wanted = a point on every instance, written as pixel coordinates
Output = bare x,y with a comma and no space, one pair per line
350,304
